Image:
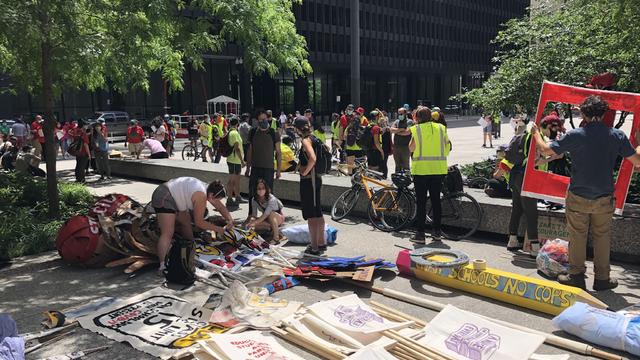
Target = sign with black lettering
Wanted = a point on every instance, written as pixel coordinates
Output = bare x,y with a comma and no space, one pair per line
156,322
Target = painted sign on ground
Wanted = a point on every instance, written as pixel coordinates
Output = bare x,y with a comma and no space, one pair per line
463,335
156,322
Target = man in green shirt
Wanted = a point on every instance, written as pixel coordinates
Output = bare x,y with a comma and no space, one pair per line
235,161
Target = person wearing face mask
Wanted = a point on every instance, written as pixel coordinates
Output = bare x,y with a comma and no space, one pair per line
270,207
264,145
401,140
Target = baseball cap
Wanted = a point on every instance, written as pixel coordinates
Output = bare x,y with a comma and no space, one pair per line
300,122
360,110
406,106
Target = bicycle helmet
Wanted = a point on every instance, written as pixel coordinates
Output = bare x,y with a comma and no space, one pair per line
401,180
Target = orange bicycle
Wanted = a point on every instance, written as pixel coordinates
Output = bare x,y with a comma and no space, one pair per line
360,179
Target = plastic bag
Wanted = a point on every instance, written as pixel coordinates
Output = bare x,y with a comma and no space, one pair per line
299,234
601,327
553,258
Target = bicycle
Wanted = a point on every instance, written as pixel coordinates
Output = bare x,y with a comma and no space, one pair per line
461,213
191,152
360,180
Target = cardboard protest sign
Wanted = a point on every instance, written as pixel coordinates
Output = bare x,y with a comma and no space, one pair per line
553,187
250,345
463,335
355,318
156,322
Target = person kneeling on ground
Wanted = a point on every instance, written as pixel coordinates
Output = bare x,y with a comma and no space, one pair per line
183,201
271,208
157,150
28,164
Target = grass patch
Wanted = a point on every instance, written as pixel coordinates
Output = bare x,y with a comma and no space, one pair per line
25,228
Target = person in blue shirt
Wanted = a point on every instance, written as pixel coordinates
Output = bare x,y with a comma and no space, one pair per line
594,151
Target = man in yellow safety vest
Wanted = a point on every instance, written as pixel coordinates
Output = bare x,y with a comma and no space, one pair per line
430,146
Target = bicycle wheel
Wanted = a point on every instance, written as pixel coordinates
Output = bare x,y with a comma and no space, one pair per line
461,215
390,210
344,204
189,152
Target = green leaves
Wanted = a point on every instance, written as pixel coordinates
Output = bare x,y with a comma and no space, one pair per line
568,45
123,41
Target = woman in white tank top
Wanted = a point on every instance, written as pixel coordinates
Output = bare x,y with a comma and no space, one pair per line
182,201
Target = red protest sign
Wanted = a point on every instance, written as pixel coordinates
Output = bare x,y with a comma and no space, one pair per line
552,187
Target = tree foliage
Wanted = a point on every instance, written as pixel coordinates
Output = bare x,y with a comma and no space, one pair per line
569,44
47,46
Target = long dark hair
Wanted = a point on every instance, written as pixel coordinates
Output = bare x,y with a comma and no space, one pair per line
267,193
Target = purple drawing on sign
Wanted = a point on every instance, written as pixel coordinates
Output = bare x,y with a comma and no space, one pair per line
355,316
473,343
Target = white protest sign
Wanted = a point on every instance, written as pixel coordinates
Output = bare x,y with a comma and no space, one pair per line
463,335
156,322
250,345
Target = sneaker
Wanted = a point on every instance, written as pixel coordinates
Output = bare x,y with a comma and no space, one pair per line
240,200
436,236
322,247
576,280
601,285
513,244
310,251
204,160
418,238
231,203
535,248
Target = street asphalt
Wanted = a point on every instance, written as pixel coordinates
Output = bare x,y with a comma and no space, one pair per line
34,284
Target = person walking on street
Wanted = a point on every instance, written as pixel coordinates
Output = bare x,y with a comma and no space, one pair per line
135,136
206,132
20,132
37,136
264,144
101,151
430,147
243,129
84,154
310,189
590,205
235,162
401,140
487,131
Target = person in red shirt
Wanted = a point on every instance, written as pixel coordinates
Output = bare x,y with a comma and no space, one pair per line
37,136
84,155
375,155
135,136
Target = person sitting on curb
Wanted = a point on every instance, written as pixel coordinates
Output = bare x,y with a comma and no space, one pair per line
272,217
183,201
590,204
28,163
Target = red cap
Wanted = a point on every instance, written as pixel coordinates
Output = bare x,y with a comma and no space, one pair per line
360,110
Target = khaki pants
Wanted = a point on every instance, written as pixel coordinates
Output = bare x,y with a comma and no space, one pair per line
581,214
37,147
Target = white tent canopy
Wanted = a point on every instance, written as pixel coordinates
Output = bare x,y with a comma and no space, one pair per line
220,104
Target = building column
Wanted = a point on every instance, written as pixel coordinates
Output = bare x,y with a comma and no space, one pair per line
355,52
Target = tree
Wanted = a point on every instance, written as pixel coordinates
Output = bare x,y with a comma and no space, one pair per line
569,44
47,46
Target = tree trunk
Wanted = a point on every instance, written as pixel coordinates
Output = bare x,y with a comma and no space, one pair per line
49,125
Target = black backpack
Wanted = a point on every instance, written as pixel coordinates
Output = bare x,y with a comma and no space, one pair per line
224,148
353,131
323,156
454,179
516,151
365,137
180,266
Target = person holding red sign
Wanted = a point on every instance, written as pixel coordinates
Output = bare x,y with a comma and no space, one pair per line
594,151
